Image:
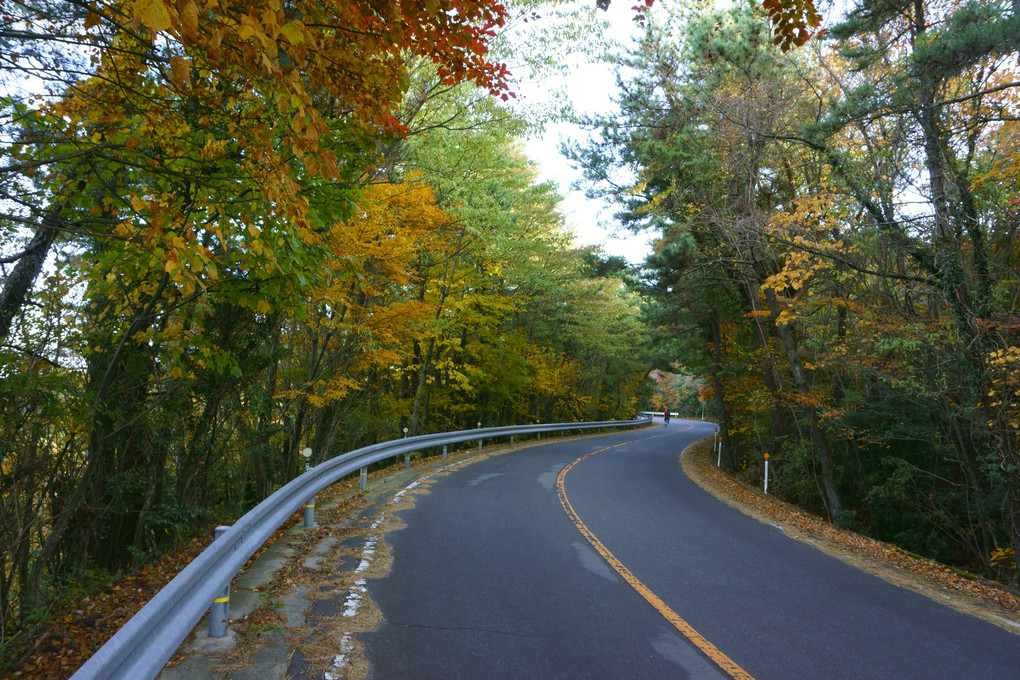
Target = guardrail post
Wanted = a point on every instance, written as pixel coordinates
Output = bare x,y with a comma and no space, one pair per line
309,512
363,482
219,610
539,436
511,440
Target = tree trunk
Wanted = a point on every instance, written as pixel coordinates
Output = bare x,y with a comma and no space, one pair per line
449,271
819,441
720,401
770,375
1014,507
19,284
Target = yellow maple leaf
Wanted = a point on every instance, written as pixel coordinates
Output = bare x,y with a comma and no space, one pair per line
294,32
139,204
153,14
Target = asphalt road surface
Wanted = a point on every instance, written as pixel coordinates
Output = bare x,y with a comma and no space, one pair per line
539,565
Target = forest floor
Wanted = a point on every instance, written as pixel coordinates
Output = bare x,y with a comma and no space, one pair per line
964,592
77,628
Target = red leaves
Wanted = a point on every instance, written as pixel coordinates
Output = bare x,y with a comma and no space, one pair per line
791,20
455,34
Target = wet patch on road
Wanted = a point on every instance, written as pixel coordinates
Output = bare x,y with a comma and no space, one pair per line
547,480
682,653
486,477
593,562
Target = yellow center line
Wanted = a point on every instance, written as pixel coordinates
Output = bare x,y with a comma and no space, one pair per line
724,662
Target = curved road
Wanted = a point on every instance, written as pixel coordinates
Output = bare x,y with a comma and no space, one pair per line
651,578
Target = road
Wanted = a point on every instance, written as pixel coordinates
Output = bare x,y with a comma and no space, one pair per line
553,563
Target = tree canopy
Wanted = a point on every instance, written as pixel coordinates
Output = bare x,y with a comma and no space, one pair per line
232,230
838,254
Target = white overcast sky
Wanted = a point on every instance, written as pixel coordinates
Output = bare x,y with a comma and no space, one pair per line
589,87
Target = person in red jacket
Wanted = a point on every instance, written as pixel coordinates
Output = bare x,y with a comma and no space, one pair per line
665,416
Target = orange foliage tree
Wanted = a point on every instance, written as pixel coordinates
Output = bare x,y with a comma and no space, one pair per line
184,168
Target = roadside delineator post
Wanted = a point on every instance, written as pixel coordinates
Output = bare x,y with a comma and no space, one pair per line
718,446
444,450
407,454
766,474
219,610
310,503
363,482
479,439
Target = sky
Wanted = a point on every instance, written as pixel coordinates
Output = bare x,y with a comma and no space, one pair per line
589,88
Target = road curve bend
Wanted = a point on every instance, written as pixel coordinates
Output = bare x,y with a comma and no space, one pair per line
598,558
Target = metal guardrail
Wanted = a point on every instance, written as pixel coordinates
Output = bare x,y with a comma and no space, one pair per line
140,649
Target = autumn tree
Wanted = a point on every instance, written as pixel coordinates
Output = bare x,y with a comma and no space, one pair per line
933,82
180,166
504,263
837,231
702,114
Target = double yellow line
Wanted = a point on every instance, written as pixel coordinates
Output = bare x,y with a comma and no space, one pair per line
724,662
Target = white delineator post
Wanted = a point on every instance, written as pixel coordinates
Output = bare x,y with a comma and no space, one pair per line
766,474
309,518
407,455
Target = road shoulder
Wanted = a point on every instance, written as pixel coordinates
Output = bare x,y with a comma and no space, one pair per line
962,592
